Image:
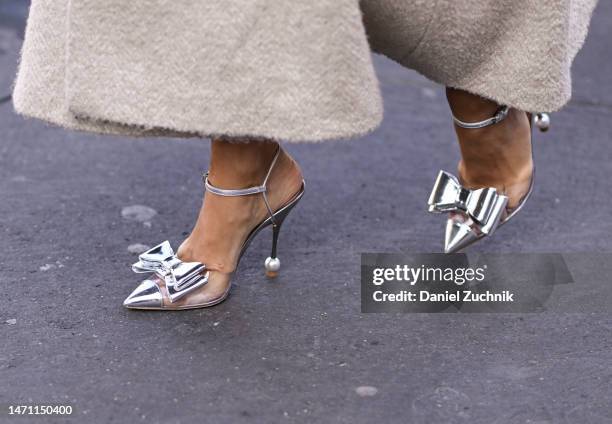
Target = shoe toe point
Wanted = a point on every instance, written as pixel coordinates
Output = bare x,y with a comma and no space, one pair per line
146,296
458,234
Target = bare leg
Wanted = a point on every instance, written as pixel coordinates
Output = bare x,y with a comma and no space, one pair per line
495,156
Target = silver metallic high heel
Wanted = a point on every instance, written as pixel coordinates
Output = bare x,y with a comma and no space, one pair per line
181,278
476,213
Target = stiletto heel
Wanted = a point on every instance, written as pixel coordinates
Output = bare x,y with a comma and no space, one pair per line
180,278
476,213
272,263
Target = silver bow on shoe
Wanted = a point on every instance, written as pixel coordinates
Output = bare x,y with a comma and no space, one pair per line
180,277
475,213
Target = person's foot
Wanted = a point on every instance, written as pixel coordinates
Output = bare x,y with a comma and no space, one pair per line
498,155
225,222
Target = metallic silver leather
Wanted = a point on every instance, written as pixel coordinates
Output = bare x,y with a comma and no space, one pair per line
484,206
459,233
224,192
499,116
180,277
146,296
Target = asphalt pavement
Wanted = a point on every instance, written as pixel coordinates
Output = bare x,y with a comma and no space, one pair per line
296,349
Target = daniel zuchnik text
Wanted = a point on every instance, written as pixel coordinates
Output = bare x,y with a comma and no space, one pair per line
433,275
457,296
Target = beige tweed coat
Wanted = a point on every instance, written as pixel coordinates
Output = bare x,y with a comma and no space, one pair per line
292,70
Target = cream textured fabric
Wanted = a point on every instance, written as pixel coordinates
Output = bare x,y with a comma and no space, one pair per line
284,70
288,70
516,52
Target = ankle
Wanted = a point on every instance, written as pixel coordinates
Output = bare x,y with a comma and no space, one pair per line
496,155
469,107
503,148
285,180
240,164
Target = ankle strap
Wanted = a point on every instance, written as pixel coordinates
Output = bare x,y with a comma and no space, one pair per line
499,116
246,191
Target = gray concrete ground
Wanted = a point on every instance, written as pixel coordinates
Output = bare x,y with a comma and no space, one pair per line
295,349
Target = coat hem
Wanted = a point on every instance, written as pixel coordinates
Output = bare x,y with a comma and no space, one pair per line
102,126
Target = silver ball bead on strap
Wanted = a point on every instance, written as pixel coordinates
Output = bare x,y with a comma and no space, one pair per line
542,121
